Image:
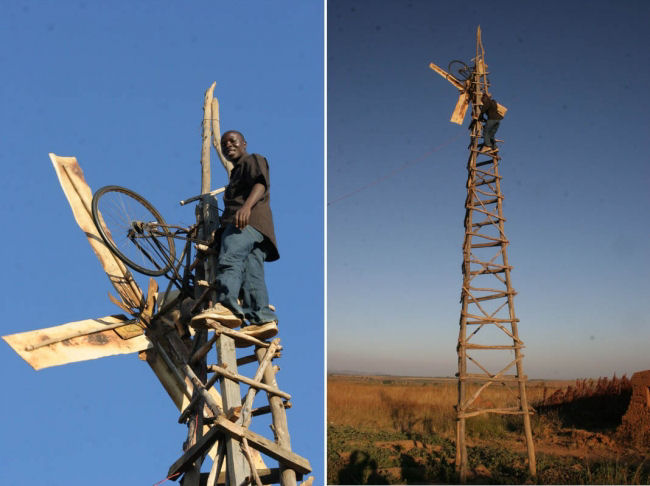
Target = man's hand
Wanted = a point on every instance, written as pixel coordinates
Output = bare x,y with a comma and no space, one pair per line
242,216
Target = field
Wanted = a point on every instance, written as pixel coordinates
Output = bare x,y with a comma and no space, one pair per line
400,430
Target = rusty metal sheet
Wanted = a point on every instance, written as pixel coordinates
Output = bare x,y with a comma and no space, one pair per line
75,341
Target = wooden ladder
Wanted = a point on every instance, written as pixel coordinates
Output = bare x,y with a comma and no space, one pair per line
489,348
220,424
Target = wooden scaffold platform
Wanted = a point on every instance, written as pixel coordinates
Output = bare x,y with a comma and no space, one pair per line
218,420
489,348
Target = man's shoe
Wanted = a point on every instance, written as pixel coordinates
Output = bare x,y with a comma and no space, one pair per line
262,331
218,313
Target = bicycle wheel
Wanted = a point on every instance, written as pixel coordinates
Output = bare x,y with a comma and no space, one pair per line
459,70
133,230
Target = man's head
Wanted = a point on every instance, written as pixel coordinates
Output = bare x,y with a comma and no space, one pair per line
233,145
485,98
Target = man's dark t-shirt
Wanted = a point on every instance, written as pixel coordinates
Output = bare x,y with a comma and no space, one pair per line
491,110
248,171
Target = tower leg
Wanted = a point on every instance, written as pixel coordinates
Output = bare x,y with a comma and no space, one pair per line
279,417
236,463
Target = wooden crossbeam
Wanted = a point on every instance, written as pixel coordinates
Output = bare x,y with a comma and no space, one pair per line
262,444
193,453
244,379
267,476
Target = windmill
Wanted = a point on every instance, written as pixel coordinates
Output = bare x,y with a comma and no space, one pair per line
217,421
489,348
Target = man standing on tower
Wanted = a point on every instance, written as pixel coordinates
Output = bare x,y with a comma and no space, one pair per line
492,120
247,241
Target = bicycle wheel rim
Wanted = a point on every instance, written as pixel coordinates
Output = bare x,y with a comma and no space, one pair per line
133,230
459,70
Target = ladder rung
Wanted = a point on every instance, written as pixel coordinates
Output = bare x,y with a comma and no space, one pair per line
244,379
490,297
485,162
486,271
488,319
485,181
484,377
487,245
267,409
486,173
492,346
487,201
505,411
251,358
491,238
481,210
479,321
484,223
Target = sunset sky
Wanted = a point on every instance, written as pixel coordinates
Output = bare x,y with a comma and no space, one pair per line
575,180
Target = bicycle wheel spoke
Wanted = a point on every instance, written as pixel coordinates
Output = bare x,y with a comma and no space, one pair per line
133,230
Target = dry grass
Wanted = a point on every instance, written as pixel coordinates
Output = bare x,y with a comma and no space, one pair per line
418,406
395,430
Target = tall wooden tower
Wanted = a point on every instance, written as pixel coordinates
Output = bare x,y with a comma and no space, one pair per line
489,348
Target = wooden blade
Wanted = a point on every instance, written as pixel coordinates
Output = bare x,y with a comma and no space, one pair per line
75,341
458,84
461,108
118,303
80,198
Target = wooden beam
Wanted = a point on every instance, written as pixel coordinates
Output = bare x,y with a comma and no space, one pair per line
268,447
194,452
268,476
458,115
80,198
75,341
457,83
244,379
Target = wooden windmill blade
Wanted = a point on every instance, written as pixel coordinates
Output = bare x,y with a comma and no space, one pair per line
76,341
458,115
79,196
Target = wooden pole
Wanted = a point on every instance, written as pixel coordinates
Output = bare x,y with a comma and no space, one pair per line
205,147
279,418
195,424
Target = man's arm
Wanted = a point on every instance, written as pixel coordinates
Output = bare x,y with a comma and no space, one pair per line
243,214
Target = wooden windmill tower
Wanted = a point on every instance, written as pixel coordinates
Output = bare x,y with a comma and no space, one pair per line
489,348
218,421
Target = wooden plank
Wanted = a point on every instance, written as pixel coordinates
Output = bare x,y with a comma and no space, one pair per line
236,463
244,379
279,419
458,115
447,76
80,197
194,452
268,476
75,341
268,447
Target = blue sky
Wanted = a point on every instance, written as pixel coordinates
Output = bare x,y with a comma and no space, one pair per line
575,179
120,85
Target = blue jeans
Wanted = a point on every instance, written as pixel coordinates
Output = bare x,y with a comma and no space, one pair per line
240,273
490,130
